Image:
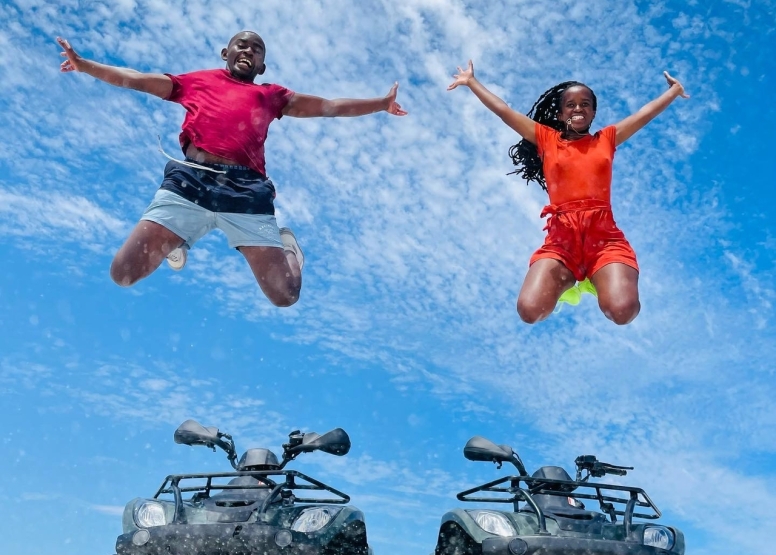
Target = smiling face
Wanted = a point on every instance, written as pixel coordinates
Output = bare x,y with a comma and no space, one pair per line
244,56
577,108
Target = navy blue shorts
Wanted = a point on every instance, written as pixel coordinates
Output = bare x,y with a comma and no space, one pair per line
240,190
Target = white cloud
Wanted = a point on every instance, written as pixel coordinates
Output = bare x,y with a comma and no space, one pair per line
112,510
32,496
28,213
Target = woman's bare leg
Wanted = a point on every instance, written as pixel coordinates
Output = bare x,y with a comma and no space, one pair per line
544,283
142,253
618,292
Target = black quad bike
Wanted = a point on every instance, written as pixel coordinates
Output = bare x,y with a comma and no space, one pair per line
548,515
259,509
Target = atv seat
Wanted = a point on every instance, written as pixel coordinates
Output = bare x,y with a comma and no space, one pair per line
565,506
255,490
236,505
552,473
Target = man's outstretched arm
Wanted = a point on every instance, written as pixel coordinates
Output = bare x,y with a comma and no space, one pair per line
306,106
156,84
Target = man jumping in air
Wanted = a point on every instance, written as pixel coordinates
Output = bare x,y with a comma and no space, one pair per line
222,182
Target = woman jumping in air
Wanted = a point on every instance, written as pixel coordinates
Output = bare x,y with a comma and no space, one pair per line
575,168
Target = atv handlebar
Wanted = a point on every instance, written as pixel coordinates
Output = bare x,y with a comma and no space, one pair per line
597,468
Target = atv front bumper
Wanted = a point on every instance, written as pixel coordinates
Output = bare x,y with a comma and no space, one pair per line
216,539
555,545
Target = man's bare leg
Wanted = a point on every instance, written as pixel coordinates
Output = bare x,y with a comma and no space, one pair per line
277,273
142,253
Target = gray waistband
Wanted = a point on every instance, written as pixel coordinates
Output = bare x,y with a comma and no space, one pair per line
191,164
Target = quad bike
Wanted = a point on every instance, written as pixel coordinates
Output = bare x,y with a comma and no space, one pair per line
259,509
548,514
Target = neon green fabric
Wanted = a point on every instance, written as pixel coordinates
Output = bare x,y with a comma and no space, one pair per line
574,295
571,296
586,286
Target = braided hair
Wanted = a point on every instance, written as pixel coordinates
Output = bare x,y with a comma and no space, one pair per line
524,155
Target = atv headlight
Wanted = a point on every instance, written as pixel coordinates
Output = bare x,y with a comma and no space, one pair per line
149,513
659,536
315,518
494,523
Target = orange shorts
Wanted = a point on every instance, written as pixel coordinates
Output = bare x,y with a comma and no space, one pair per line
583,235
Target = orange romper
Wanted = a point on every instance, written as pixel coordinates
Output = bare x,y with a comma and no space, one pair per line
581,231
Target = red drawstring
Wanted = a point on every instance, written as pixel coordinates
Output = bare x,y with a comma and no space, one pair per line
572,206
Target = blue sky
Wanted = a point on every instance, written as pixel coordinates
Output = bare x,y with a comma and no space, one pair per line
416,243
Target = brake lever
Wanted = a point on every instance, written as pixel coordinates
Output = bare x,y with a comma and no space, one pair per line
602,468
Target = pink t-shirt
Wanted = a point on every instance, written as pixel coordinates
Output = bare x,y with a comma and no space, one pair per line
227,117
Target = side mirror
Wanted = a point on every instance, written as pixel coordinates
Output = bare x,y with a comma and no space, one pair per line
192,432
335,442
481,449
